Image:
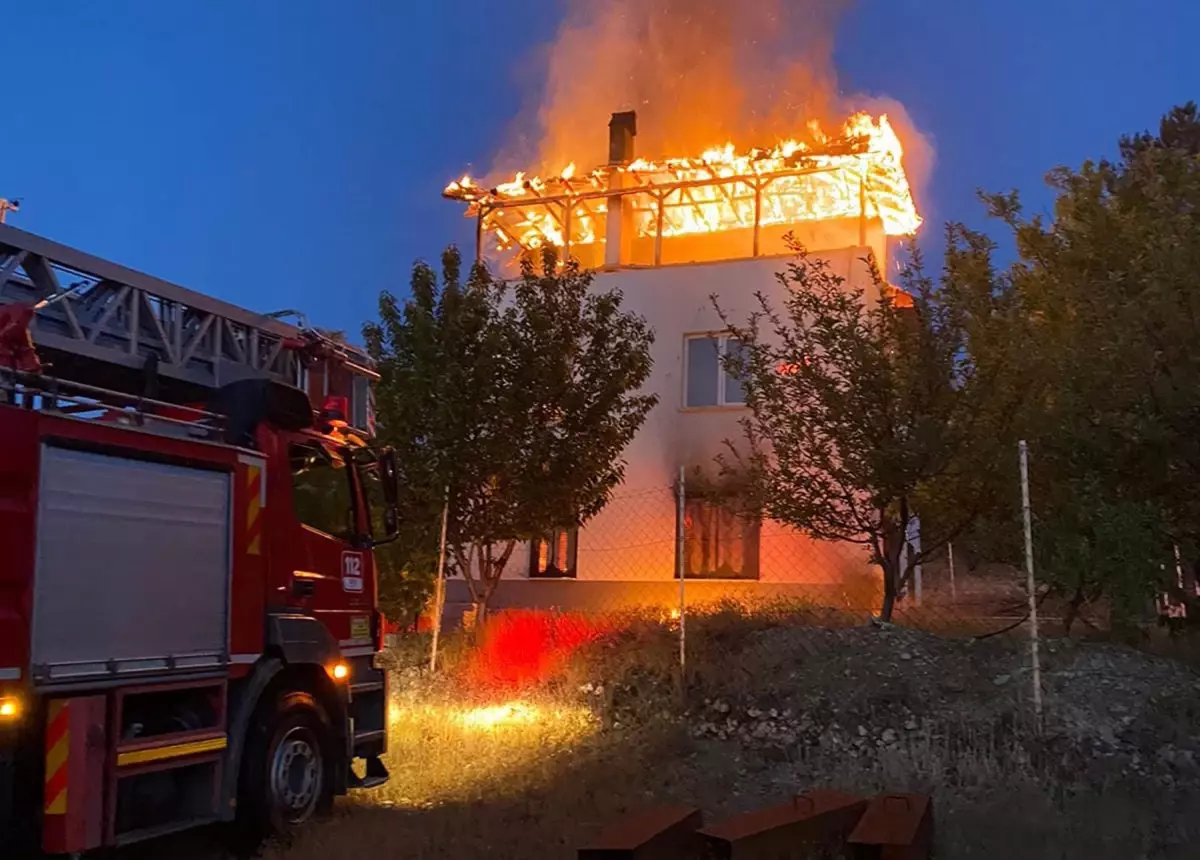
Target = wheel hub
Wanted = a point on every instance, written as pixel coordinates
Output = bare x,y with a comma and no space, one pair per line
296,773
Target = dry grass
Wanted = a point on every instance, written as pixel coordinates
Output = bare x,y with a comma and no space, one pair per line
535,774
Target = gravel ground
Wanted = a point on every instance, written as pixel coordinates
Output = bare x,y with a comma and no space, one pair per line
1114,775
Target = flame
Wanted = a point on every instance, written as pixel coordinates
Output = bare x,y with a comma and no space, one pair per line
857,173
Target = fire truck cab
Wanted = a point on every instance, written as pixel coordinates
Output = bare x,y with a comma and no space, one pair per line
188,619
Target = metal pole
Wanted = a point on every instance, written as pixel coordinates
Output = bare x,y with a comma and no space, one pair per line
439,590
953,589
679,514
1031,585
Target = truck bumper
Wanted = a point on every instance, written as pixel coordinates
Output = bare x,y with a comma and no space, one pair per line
369,721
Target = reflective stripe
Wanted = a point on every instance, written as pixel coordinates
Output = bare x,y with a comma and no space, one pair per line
174,751
58,745
10,674
365,651
256,484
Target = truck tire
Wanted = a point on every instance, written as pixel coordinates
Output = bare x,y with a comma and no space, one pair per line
287,774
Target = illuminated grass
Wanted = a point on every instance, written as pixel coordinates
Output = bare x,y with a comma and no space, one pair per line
448,752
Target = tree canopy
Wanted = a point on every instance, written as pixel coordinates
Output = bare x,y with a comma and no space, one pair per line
1108,319
518,399
864,407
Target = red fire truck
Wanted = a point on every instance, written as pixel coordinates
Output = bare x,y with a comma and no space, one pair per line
188,621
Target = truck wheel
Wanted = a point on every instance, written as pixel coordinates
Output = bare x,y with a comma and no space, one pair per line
289,764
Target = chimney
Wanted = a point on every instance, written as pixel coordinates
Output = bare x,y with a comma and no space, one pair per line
622,130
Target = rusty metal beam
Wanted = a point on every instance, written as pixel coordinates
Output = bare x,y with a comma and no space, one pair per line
795,830
658,833
894,827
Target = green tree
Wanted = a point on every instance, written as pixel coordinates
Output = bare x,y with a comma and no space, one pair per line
518,398
864,410
1109,322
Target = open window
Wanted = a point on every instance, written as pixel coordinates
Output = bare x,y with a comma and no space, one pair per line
719,540
555,557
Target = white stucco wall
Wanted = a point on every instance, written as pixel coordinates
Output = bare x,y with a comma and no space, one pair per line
634,538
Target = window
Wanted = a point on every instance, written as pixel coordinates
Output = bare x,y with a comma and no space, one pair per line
373,497
706,381
321,494
555,556
718,541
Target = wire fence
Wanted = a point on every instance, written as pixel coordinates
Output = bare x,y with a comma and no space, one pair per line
706,578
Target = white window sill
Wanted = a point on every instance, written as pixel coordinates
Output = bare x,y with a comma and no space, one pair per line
731,407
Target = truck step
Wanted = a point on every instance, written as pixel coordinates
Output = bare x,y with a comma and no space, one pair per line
375,776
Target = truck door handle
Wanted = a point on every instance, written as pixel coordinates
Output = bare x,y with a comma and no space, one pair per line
303,588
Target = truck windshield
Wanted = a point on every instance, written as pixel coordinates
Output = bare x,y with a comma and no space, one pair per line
321,490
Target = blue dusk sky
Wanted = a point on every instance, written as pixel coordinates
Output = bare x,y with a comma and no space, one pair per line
291,153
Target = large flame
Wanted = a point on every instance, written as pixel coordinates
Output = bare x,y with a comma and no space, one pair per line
857,174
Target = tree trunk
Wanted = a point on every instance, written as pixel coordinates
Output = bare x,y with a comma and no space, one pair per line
889,590
1072,610
491,569
894,537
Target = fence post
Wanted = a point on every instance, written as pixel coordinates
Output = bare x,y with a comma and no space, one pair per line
953,588
679,568
1031,585
439,588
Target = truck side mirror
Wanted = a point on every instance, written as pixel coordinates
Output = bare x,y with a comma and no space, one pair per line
388,476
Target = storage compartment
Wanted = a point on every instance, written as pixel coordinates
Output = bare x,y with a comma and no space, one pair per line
156,802
132,571
178,709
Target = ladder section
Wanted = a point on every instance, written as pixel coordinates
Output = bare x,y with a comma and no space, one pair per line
123,317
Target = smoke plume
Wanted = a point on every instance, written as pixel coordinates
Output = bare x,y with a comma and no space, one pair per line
699,73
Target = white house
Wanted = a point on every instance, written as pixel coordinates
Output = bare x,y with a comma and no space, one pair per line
670,241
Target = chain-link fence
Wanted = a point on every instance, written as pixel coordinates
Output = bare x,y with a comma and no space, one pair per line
756,654
711,580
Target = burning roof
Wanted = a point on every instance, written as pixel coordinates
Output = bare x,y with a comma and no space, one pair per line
856,174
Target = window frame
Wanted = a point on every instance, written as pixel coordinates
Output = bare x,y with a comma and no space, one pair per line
348,468
723,376
572,569
750,535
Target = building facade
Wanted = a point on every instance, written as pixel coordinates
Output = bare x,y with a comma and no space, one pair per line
672,237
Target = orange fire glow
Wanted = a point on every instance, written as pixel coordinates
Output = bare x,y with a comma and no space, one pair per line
857,174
